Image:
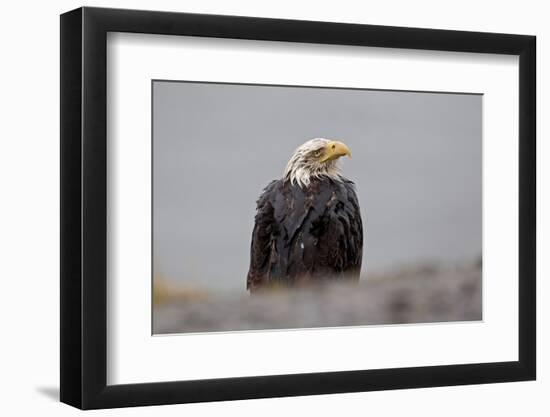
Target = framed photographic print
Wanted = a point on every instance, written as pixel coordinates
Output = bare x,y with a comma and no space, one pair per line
257,207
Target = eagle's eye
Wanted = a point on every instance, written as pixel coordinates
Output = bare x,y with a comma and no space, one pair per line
317,153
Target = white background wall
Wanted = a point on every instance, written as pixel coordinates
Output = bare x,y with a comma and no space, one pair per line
29,175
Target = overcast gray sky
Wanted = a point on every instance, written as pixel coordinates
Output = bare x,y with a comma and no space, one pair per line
416,163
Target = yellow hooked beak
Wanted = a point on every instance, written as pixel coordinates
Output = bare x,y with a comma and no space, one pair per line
334,150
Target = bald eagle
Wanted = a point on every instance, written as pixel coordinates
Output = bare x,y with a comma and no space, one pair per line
308,226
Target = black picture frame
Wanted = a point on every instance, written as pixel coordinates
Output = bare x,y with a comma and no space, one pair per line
84,207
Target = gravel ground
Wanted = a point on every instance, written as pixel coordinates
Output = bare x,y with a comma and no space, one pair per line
419,295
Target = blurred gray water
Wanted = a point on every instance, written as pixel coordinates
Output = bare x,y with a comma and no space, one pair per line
416,163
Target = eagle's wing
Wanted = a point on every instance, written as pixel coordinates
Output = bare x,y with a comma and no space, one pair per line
334,240
355,231
261,246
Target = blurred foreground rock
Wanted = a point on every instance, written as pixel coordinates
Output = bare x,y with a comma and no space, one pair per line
418,295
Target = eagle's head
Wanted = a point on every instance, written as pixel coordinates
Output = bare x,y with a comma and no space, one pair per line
315,159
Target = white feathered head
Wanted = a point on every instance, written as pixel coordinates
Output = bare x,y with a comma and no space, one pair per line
315,159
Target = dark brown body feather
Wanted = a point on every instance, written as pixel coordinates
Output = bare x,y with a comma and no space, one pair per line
304,235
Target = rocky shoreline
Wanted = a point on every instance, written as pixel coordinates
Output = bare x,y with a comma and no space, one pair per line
424,294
